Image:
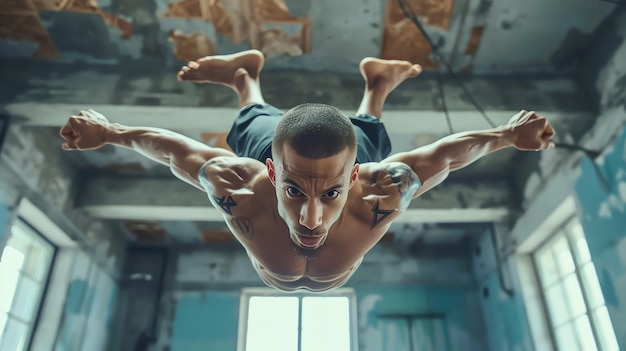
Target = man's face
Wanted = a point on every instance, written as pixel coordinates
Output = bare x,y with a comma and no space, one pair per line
311,194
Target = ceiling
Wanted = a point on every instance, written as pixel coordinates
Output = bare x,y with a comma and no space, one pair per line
120,58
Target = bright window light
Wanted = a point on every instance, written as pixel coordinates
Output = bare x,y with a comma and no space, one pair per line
325,323
272,324
24,265
298,323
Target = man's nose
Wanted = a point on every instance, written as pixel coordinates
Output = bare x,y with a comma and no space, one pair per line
311,214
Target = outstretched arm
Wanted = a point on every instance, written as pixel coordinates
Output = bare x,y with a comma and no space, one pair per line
91,130
432,163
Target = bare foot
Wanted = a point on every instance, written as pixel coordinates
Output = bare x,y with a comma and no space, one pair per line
387,74
222,69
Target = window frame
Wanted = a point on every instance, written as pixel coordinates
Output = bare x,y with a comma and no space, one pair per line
26,226
563,230
247,293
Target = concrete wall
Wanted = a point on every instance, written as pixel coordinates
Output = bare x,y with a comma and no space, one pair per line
78,305
599,192
198,308
602,204
442,318
206,321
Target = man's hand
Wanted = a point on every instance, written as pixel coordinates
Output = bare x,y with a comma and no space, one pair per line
531,132
85,131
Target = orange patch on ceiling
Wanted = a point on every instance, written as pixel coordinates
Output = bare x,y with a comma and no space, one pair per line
256,21
20,20
190,47
145,231
402,40
211,11
215,140
474,40
212,237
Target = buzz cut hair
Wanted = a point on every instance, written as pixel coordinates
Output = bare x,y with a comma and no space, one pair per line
314,131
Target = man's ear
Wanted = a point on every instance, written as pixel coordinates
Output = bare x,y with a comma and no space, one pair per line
271,171
354,175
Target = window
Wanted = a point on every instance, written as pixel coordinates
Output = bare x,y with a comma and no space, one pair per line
24,268
577,314
300,322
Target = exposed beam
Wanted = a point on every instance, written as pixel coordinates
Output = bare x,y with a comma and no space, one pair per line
169,199
220,119
210,214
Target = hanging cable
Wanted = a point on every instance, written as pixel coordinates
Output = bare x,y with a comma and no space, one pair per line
410,14
444,106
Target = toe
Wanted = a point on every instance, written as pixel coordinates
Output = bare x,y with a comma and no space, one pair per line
416,69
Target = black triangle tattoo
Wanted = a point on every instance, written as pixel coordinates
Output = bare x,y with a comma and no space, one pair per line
225,203
379,215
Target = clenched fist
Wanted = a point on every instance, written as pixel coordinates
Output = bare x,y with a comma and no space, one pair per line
531,132
86,131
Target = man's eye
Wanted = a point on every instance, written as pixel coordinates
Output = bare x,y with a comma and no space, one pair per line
333,194
291,191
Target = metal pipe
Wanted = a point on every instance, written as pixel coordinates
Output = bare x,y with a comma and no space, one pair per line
494,242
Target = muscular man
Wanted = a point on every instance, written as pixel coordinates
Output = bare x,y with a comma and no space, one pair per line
309,192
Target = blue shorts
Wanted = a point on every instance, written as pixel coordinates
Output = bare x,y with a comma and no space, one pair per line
252,132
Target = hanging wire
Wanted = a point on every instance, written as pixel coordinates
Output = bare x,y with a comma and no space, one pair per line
410,14
4,129
444,106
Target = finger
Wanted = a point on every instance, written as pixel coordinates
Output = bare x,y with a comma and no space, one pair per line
517,116
549,131
185,69
65,130
179,76
69,146
74,123
529,116
533,115
193,64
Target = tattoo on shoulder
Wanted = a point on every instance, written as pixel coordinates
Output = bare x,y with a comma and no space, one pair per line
403,177
379,214
225,203
244,225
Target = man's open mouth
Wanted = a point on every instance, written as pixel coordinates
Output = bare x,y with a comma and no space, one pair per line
310,241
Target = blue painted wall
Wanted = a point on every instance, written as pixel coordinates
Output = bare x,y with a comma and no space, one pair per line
209,320
506,324
461,327
601,197
88,312
206,321
505,317
602,201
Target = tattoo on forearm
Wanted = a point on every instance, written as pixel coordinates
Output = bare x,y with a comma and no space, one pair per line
379,215
225,203
244,225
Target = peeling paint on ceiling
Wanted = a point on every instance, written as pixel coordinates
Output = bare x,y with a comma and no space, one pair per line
20,20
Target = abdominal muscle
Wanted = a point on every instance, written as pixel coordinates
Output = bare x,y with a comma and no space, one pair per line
291,283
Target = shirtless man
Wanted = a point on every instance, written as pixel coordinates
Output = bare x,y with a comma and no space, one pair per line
306,193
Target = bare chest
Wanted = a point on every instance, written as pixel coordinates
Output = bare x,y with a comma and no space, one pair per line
283,265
